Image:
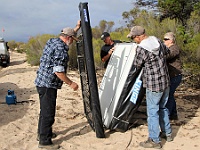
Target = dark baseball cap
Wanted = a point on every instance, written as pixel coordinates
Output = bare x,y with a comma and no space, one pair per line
104,35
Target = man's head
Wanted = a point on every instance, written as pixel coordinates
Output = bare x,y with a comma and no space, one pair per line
136,33
105,36
169,36
68,35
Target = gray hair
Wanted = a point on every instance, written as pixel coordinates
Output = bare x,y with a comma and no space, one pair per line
171,36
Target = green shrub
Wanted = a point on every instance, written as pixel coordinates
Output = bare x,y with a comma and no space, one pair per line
34,48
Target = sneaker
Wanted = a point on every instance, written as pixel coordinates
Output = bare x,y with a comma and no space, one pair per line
49,147
150,144
167,137
54,135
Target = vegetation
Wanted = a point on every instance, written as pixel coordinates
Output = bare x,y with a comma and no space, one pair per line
34,48
177,9
178,16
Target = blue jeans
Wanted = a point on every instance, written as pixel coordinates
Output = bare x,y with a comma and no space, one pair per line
171,104
157,114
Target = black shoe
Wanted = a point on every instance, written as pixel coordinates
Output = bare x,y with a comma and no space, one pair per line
167,137
49,147
54,135
150,144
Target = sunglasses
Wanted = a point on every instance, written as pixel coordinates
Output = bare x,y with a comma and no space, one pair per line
132,37
166,39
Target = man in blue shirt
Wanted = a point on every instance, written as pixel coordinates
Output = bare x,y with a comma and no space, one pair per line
50,77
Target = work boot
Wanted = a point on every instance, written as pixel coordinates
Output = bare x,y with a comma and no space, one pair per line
150,144
49,147
166,137
54,135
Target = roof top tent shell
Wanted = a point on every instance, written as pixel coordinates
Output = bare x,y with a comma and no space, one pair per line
117,86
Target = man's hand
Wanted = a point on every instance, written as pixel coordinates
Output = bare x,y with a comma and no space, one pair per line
74,86
111,50
62,76
78,23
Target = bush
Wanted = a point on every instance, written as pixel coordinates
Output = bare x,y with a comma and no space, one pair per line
34,48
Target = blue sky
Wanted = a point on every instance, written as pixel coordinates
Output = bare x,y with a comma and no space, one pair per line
21,19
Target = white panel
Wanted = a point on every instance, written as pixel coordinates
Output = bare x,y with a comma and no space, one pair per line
114,79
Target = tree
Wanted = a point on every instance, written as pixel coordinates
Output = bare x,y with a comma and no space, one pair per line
177,9
149,5
96,32
102,25
173,9
194,21
110,25
106,25
130,16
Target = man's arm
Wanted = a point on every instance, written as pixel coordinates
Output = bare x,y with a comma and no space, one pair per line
105,58
62,76
78,25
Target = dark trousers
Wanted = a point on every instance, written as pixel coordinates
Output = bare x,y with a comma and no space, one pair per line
171,103
47,98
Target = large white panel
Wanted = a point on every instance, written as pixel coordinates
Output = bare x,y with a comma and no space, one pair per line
114,79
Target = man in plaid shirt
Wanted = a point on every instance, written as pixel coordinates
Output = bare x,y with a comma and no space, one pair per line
50,77
151,55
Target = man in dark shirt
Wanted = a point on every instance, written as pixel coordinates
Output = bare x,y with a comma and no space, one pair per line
108,48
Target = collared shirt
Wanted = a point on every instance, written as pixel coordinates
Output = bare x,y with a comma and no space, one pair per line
54,59
155,74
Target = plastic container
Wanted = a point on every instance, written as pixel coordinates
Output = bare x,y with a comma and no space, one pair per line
11,97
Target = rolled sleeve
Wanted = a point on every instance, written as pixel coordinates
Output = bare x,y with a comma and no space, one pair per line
58,69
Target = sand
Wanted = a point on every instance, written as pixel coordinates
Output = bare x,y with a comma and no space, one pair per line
18,123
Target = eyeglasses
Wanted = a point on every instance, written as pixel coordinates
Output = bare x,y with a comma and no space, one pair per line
166,39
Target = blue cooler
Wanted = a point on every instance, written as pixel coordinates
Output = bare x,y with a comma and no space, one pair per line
11,98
